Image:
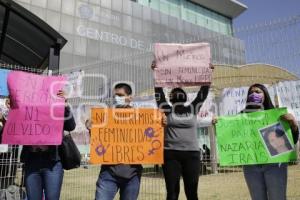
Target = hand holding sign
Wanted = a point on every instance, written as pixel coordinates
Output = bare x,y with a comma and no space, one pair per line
153,65
291,120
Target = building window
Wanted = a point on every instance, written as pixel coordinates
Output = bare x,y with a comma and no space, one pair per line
192,13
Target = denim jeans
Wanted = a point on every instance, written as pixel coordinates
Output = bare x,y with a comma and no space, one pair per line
107,187
266,182
187,164
42,174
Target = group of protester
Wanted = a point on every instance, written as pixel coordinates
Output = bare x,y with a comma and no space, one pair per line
44,172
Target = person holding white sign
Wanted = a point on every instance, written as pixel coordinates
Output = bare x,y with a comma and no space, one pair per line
181,149
267,181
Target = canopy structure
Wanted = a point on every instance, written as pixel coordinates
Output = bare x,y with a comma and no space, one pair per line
229,8
225,76
26,40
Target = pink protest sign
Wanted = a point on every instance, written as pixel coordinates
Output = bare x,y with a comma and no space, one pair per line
36,115
182,65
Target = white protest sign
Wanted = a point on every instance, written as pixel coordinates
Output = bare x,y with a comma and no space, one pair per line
74,88
144,102
289,96
3,148
207,110
233,100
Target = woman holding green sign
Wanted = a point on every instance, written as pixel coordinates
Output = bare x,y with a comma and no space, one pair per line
268,181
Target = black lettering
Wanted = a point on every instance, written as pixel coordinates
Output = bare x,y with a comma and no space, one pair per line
132,153
26,128
126,153
11,128
119,153
28,113
100,117
243,158
46,129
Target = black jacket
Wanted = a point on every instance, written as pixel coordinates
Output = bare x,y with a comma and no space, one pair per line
52,152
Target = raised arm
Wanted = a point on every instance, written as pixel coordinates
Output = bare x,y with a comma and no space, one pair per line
295,133
160,98
69,122
293,124
200,98
159,93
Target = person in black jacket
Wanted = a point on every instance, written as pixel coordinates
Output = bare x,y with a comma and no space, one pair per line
42,166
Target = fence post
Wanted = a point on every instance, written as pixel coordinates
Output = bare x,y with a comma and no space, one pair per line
54,55
213,147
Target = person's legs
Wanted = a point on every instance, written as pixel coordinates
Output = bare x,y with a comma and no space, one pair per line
190,174
33,181
129,189
276,181
52,180
254,176
107,186
172,172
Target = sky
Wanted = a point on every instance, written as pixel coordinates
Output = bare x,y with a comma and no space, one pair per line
266,10
276,45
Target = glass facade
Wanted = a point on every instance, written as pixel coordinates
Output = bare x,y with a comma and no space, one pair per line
192,13
115,37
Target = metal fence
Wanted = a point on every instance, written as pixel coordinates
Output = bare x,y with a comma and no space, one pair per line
215,182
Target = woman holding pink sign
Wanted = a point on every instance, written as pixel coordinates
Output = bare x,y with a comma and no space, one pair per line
42,165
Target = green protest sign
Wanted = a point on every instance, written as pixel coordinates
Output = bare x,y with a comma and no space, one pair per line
254,138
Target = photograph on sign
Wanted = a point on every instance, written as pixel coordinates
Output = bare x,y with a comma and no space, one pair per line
275,139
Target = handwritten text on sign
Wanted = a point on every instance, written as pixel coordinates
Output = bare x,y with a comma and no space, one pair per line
254,138
128,136
36,116
182,64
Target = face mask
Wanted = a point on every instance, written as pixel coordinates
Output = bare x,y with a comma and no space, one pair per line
255,98
119,101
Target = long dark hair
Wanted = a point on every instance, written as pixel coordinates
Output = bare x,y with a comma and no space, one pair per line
178,94
279,133
267,100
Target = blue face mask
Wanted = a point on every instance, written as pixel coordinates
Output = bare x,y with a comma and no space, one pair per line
119,101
